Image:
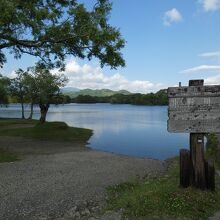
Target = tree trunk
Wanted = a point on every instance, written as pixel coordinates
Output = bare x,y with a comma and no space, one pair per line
32,110
22,110
43,110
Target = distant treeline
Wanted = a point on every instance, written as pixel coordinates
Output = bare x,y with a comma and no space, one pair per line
159,98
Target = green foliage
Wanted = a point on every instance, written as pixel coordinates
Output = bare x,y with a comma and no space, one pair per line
4,89
47,85
46,131
37,84
61,99
163,198
6,156
85,99
18,88
31,86
96,93
53,29
212,142
213,149
48,88
159,98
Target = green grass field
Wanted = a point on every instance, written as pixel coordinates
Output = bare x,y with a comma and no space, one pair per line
47,131
162,198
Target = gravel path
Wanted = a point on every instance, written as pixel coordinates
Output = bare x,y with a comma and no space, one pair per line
47,183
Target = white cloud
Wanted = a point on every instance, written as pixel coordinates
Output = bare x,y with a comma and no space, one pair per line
213,80
11,75
172,16
87,76
202,69
215,54
210,5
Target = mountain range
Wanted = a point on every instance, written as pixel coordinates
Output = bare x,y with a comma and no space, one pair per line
74,92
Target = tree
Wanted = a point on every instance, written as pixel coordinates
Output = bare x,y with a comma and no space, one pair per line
19,89
31,89
53,29
4,84
48,88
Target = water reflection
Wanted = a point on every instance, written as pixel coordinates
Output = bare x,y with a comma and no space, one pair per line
125,129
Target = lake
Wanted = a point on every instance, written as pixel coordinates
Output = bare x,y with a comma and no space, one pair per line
124,129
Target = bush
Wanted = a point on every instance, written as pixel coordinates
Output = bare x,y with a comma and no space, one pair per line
212,148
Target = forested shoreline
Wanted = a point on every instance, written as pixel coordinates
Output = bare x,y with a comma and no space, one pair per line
159,98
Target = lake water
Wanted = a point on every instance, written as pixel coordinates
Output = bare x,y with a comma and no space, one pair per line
124,129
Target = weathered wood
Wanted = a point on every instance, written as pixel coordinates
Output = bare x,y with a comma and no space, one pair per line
194,91
210,175
197,160
194,109
194,126
197,82
190,115
194,103
185,167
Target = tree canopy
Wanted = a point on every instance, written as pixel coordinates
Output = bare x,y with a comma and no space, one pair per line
47,88
53,29
18,88
4,86
158,98
36,86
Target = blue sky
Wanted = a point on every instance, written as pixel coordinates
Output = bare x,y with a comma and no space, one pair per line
167,42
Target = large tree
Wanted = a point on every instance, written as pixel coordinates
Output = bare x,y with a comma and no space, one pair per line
53,29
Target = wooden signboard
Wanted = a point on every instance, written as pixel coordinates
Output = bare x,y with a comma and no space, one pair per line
194,109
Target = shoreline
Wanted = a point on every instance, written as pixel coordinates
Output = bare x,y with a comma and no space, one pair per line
61,180
26,147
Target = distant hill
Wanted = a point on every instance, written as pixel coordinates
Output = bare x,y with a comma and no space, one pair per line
158,98
69,89
97,92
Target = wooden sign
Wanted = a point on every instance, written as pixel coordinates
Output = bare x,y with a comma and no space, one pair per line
194,108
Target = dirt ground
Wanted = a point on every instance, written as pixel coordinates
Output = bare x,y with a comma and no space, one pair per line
53,177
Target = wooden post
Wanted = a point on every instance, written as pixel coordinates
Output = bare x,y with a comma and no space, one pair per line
198,160
195,109
185,167
210,175
198,177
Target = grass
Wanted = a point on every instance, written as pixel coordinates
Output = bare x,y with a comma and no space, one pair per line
6,156
162,198
9,121
47,131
